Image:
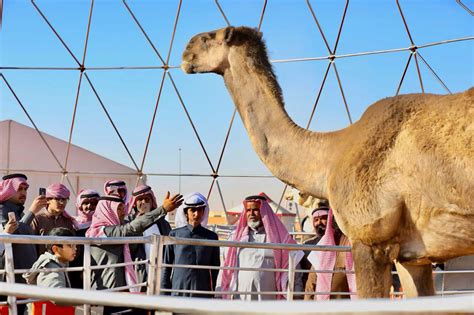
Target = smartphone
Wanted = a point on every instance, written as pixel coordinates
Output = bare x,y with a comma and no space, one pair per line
11,216
42,191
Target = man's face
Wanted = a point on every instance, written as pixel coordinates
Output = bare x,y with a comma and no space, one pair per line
122,193
56,206
252,211
319,224
89,205
121,212
19,197
195,215
143,204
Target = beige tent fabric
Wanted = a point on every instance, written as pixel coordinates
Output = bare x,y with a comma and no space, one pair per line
23,151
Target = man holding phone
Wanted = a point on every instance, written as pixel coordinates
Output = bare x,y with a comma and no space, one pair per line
14,220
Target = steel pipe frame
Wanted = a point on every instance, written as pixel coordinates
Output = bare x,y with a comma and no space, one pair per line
332,56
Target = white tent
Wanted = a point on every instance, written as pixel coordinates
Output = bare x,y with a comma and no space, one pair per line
23,151
286,216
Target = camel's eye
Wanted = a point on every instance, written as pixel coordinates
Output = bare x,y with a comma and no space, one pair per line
205,41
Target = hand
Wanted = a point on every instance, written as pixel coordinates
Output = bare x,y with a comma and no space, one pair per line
169,204
39,203
11,226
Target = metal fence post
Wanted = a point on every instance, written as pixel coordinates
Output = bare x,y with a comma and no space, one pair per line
87,275
159,263
10,277
291,276
152,265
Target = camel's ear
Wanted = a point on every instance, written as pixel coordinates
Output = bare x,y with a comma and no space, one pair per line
228,34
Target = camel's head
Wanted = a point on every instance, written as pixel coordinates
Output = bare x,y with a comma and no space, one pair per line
208,52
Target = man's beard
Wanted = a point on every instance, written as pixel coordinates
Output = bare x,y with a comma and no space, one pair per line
253,224
320,229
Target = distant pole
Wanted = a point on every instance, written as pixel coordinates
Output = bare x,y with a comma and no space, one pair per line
179,171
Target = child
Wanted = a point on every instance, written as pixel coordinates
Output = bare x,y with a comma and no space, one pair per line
55,215
56,256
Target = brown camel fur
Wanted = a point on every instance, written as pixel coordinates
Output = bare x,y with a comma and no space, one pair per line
400,180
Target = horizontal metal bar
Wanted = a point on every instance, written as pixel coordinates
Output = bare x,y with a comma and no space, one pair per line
118,289
287,60
49,270
30,239
133,263
374,52
127,68
445,272
26,301
254,292
224,268
446,41
254,269
303,233
217,306
186,241
457,292
452,271
134,173
39,68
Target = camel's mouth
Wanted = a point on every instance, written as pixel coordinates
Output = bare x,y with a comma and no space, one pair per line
187,67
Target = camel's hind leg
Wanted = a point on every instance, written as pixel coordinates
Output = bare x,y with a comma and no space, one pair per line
416,280
373,266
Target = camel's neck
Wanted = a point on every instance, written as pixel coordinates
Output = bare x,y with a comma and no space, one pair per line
296,156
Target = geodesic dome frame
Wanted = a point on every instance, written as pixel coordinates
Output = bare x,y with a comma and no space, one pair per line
415,58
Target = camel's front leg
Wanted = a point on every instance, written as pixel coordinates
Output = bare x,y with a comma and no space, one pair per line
416,280
373,269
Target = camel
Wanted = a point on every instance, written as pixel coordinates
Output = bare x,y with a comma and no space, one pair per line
400,180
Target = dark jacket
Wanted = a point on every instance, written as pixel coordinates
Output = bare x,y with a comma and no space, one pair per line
138,252
24,255
76,277
186,278
112,254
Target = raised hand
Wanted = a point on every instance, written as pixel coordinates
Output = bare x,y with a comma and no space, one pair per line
11,226
169,204
39,203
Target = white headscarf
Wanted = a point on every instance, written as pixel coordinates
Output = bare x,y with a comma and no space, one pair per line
189,200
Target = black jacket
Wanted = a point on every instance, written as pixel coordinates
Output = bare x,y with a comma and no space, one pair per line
186,278
24,255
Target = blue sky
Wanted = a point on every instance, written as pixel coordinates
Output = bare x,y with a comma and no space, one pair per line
289,31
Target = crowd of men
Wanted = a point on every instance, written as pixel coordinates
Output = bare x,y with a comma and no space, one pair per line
115,213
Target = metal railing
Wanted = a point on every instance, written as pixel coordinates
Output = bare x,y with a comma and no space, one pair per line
155,266
431,305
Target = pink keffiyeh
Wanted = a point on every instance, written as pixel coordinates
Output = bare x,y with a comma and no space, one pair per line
58,190
106,215
139,191
83,220
327,260
276,233
10,184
